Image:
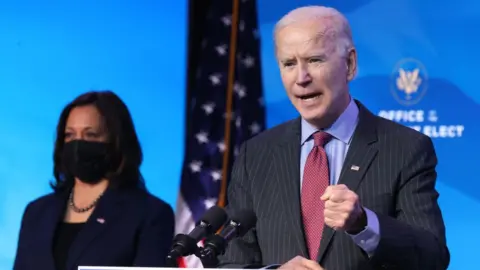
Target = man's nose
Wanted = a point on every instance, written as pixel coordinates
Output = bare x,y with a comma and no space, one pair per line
303,76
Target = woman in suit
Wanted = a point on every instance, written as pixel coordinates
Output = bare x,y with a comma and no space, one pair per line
100,213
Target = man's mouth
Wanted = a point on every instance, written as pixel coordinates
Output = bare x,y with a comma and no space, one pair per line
308,97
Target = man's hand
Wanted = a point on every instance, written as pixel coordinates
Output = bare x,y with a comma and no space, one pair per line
300,263
343,210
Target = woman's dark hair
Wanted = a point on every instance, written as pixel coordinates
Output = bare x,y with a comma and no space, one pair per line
125,151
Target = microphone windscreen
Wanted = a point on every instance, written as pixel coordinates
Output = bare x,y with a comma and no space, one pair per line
247,220
215,216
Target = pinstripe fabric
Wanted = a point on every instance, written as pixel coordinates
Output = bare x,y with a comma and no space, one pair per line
396,180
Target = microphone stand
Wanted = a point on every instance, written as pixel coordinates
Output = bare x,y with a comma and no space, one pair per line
185,242
209,254
209,260
172,263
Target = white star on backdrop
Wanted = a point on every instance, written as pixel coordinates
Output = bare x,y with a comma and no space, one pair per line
255,128
221,49
215,78
227,20
238,122
210,202
202,137
241,26
208,107
221,146
216,175
249,61
196,166
240,90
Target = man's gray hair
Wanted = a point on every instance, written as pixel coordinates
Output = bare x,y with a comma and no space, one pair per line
338,23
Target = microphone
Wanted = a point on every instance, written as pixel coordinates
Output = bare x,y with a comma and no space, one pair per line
184,245
215,245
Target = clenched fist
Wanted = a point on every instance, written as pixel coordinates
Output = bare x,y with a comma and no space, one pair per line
301,263
343,210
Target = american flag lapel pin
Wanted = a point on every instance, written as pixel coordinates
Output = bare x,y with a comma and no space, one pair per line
354,168
101,220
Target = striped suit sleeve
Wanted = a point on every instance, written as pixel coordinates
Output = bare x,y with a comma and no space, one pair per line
415,237
241,252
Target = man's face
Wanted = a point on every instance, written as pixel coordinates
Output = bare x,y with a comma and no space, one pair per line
314,72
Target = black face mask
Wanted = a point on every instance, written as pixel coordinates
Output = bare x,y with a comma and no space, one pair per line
86,160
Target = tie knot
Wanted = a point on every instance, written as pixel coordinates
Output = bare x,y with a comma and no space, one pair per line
321,138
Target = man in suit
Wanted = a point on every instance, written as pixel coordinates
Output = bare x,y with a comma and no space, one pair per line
338,188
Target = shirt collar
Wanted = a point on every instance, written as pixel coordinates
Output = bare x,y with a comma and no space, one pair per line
342,129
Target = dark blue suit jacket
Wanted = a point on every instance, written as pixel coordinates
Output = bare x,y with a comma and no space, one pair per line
127,228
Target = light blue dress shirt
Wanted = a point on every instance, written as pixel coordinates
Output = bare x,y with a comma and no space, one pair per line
342,131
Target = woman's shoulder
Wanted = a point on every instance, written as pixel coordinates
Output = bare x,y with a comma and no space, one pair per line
43,201
152,204
153,201
40,205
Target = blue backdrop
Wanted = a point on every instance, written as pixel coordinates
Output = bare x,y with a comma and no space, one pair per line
50,52
53,51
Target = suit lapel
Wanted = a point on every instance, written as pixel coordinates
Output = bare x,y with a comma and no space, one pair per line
287,162
361,153
106,213
49,224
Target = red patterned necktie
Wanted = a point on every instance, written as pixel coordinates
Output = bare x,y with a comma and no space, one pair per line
316,179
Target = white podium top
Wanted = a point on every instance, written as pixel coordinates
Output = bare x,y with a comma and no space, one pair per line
137,268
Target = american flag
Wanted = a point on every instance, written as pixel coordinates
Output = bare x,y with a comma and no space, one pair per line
226,88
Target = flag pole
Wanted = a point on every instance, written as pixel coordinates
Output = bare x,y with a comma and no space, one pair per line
229,102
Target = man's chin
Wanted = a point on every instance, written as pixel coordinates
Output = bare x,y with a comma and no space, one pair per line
314,119
319,117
